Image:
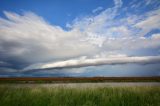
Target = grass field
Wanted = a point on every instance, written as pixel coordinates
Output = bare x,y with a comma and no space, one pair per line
93,96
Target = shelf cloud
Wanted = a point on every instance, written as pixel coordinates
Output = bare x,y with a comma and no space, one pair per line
76,63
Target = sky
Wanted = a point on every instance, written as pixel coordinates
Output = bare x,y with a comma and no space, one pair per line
79,38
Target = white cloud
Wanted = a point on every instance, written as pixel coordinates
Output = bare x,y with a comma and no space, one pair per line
96,23
118,3
28,37
152,21
156,36
132,43
83,62
97,9
136,4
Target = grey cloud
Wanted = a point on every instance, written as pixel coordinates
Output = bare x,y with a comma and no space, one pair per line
4,64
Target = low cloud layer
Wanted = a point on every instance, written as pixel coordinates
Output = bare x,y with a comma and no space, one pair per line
76,63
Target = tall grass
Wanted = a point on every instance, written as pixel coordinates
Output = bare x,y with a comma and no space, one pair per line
61,96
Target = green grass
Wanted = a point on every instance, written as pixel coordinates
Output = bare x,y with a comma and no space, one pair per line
60,96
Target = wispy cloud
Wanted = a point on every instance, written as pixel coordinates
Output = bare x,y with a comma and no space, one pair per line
97,9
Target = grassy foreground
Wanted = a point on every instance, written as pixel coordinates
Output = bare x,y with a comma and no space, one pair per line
61,96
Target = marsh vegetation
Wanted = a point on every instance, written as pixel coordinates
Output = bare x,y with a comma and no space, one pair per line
12,95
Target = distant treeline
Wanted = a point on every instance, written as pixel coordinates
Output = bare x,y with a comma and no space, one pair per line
78,79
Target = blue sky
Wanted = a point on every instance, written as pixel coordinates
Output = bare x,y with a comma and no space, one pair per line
79,38
57,12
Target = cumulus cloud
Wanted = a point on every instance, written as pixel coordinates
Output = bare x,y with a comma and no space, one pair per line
83,62
29,36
